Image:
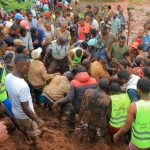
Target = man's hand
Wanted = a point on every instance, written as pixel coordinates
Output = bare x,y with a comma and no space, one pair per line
115,138
2,109
114,61
40,122
35,42
58,73
107,52
43,43
3,132
55,105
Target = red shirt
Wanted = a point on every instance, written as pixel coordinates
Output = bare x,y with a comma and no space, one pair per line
81,35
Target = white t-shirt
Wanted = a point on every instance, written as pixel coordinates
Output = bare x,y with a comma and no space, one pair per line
18,91
132,83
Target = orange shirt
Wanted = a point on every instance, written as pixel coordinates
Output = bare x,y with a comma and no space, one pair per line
81,32
87,27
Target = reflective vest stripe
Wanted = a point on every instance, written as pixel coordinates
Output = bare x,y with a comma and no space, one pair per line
141,126
141,138
141,133
117,118
3,91
117,122
2,84
3,94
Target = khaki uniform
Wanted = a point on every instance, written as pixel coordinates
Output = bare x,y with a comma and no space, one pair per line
37,74
57,88
97,71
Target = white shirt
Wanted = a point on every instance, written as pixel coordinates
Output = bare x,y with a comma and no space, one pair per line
33,12
132,83
95,24
18,91
59,52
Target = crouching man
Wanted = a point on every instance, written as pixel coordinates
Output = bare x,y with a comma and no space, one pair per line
56,89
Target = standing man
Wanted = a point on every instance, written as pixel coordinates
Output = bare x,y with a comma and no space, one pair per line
130,81
22,105
32,22
5,103
18,18
12,35
116,25
38,38
107,38
119,49
138,119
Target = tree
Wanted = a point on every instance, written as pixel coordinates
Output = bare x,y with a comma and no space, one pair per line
4,3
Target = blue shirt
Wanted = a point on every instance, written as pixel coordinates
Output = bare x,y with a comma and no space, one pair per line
40,37
34,23
146,41
116,25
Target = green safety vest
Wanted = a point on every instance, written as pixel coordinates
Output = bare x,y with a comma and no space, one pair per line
141,126
120,104
77,59
3,93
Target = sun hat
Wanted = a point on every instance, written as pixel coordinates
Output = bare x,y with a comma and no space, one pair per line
36,53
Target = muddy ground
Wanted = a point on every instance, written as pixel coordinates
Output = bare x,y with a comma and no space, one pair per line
58,137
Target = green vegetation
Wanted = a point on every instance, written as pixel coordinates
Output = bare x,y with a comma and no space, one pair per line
4,3
13,4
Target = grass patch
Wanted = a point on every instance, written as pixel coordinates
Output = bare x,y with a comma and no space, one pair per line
137,1
131,7
148,14
15,5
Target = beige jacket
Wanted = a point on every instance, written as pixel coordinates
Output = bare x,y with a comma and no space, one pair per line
37,74
57,88
97,71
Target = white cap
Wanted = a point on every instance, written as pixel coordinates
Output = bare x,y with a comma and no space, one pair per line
36,53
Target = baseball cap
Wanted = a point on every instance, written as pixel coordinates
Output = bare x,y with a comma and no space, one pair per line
36,53
25,24
18,16
134,45
47,14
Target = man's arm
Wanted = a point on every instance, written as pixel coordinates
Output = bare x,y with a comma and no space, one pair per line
69,98
128,123
43,36
87,54
109,52
121,67
30,46
23,98
70,56
3,132
109,110
31,114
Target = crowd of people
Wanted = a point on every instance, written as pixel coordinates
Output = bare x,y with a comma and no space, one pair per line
75,63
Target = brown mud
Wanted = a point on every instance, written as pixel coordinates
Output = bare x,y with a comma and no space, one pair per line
57,137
